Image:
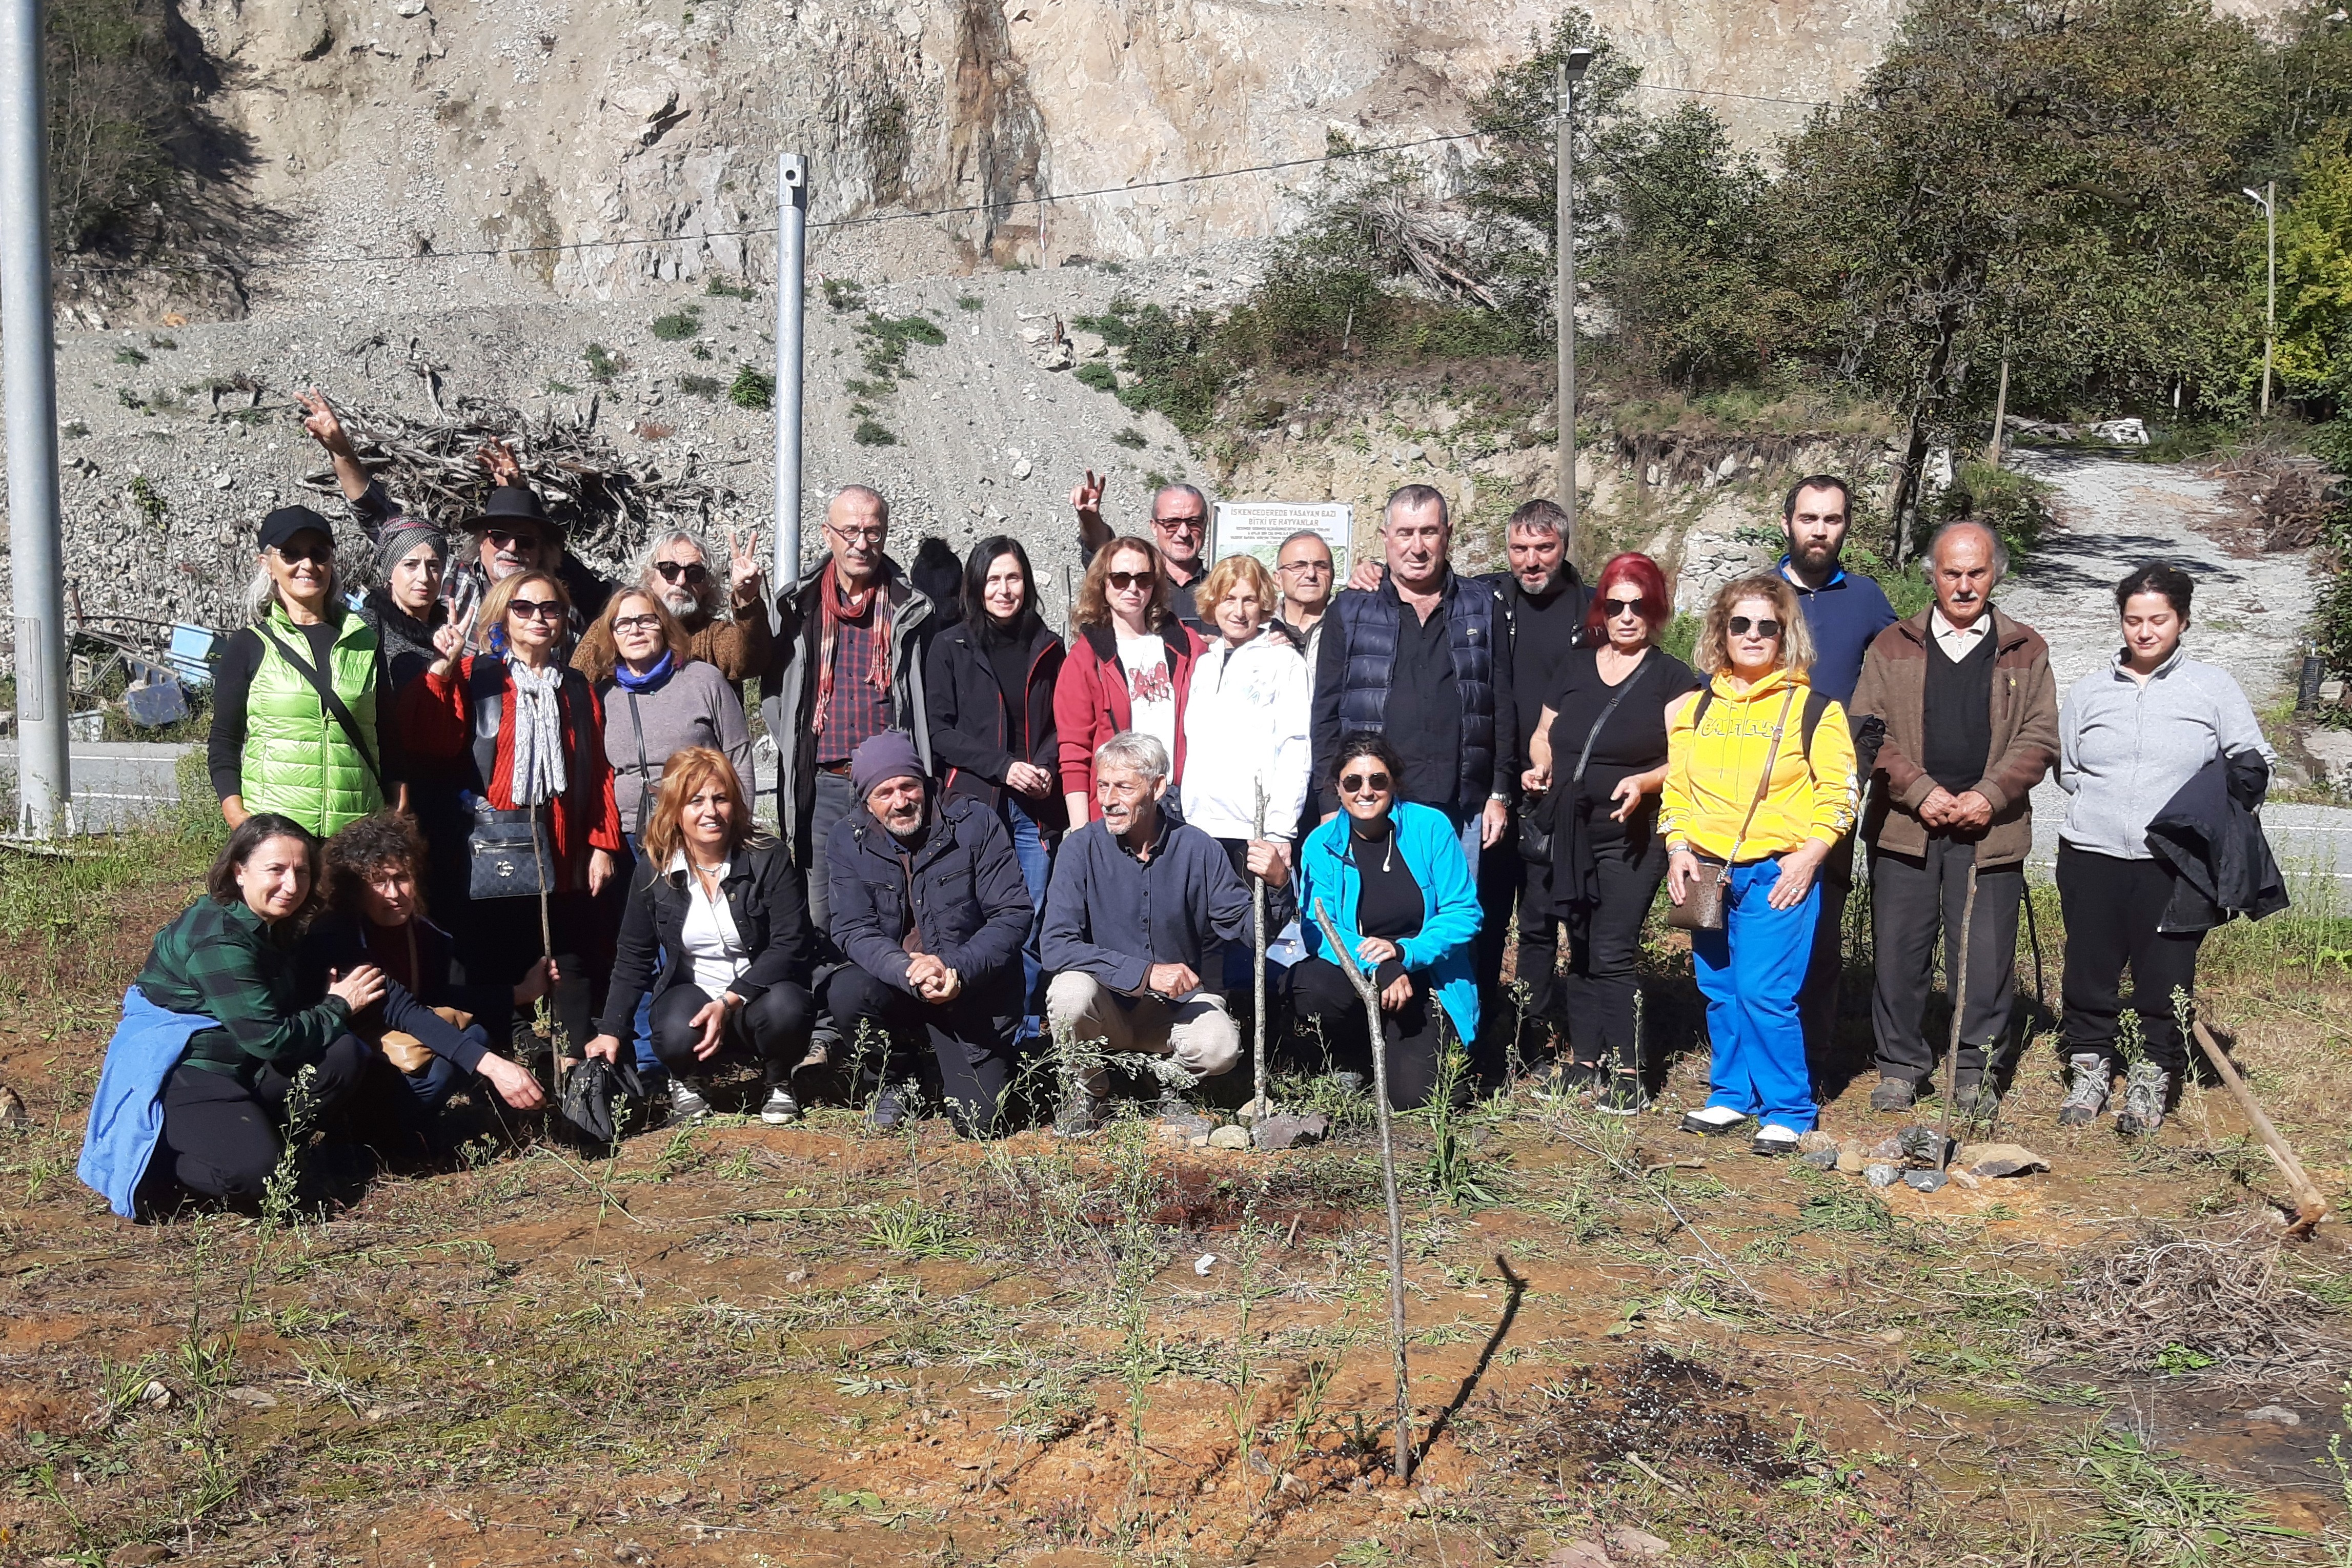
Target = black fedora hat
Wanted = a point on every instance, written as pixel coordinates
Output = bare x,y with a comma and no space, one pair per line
514,504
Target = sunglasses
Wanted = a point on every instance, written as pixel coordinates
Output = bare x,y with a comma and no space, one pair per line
638,623
502,539
1123,580
1612,608
1179,525
692,570
536,609
1353,782
294,555
1767,627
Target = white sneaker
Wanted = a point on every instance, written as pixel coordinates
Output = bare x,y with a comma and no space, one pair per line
1774,1140
685,1103
1713,1121
780,1108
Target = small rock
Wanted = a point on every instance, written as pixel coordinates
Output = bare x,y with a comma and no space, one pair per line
1816,1139
1285,1131
137,1554
1924,1181
12,1108
1822,1159
1230,1138
1628,1541
798,1276
410,7
2001,1159
1880,1174
1199,1143
1888,1149
155,1395
1849,1161
1578,1554
1963,1178
1919,1143
1890,1336
1203,1263
255,1399
2278,1414
1022,469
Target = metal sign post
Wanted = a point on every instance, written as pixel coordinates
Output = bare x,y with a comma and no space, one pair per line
792,272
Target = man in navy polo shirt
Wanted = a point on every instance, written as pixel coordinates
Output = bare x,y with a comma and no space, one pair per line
1844,611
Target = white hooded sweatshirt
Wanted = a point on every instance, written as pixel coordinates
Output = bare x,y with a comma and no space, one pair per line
1247,719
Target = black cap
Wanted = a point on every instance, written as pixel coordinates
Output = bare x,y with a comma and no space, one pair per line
515,504
286,521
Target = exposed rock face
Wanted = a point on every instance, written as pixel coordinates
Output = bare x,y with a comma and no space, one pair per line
594,127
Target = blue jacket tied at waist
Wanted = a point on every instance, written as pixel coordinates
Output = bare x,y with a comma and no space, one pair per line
126,1114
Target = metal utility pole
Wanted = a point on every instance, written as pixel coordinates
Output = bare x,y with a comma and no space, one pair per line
1569,73
35,529
792,272
2269,205
2000,414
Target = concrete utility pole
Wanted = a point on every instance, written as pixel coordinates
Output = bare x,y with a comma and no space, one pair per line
35,530
2000,414
792,274
2269,205
1564,270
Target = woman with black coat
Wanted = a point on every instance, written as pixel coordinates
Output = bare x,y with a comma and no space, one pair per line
718,930
991,684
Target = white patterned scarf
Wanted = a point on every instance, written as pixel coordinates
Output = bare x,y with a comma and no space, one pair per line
539,775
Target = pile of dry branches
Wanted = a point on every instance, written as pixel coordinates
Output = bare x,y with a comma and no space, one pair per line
2222,1306
2290,498
610,503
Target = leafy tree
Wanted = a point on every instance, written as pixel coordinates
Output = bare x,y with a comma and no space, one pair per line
120,127
2314,251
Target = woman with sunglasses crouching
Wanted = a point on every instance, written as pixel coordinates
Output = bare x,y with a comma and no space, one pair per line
1598,757
1392,876
1759,785
524,736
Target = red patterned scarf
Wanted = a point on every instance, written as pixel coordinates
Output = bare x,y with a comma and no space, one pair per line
834,609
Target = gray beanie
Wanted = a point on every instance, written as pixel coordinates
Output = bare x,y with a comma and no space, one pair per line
880,759
402,534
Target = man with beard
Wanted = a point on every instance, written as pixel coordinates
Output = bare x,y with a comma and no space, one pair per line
1845,612
727,630
929,909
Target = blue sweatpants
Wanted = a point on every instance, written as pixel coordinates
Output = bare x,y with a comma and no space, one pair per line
1750,973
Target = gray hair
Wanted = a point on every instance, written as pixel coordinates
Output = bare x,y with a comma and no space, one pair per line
663,540
1134,751
866,493
262,591
1538,517
1315,534
1992,537
1413,498
1180,489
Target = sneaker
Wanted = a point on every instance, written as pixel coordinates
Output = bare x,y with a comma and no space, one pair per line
1774,1139
780,1108
2143,1092
1713,1121
1571,1077
890,1112
1622,1095
1975,1099
686,1104
1082,1115
2088,1095
1894,1094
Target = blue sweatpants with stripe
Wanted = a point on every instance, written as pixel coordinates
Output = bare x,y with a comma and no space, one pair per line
1750,973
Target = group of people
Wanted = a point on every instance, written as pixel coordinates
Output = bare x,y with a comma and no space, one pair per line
492,781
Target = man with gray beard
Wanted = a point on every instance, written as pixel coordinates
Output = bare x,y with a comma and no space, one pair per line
726,628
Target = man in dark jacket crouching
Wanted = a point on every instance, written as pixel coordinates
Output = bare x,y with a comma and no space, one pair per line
929,909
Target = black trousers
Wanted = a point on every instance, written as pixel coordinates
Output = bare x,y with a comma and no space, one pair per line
970,1055
1506,880
1604,938
2112,907
503,943
1318,990
1914,901
771,1029
1817,997
223,1139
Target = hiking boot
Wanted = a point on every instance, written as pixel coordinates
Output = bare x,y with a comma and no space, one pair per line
1622,1095
1713,1121
781,1107
1975,1099
1082,1115
1774,1139
686,1105
890,1112
2145,1087
2088,1094
1894,1094
1572,1077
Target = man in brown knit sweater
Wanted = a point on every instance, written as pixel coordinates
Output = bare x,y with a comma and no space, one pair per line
729,630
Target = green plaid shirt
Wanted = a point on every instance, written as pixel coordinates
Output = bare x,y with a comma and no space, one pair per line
219,961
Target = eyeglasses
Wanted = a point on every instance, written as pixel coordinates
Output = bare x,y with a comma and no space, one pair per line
536,609
1353,782
1192,524
1316,567
638,623
502,539
1767,627
1123,580
694,571
294,555
1612,608
872,535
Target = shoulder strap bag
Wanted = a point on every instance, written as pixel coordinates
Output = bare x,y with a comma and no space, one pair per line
332,701
1704,900
1535,833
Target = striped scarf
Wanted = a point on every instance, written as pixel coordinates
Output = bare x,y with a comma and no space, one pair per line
539,775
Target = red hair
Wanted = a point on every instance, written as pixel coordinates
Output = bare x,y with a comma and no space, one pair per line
1643,575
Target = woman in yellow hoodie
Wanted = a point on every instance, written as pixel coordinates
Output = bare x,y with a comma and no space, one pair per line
1759,785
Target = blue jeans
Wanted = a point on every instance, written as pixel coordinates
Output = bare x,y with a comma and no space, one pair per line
1750,973
1029,848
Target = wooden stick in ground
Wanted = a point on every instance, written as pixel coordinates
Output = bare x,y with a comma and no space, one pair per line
2310,1206
1363,982
1259,1106
547,948
1959,1009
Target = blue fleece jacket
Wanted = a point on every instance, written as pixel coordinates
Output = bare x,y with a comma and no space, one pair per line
1442,949
126,1114
1843,614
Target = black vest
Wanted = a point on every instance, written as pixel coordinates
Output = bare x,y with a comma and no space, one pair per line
1958,722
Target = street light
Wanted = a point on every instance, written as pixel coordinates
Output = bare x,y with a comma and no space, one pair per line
2269,205
1570,72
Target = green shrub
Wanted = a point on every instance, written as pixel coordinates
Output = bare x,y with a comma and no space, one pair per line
752,389
678,325
603,363
1132,438
844,295
887,340
870,434
721,289
700,386
970,302
1097,374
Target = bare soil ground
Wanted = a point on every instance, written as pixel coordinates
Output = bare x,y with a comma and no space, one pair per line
738,1344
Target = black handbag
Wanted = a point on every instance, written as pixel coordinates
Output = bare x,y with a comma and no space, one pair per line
602,1099
513,852
1537,830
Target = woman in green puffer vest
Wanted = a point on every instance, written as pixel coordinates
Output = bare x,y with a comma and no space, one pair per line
277,745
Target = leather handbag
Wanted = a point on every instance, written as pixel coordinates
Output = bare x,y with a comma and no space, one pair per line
513,852
1704,902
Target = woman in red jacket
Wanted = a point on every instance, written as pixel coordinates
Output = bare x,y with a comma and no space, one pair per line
522,733
1131,667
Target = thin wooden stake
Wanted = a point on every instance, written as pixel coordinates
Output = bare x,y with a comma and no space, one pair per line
1259,1106
547,950
1356,977
2310,1206
1960,1008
